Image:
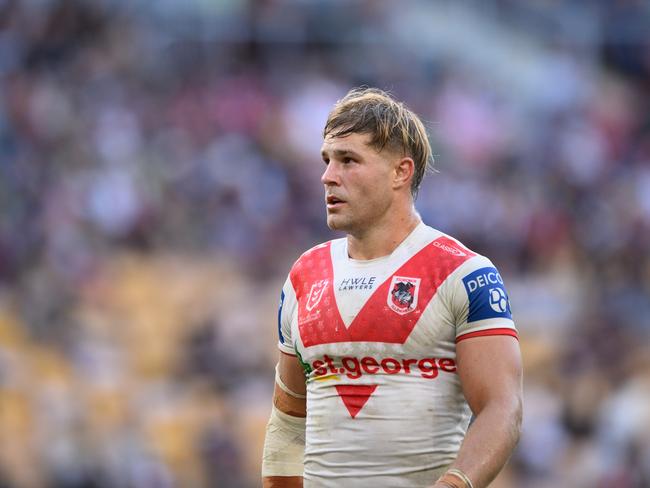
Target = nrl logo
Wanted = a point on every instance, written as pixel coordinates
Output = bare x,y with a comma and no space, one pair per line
316,293
403,294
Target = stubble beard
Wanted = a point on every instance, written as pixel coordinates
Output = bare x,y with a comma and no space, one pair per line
348,223
357,222
337,222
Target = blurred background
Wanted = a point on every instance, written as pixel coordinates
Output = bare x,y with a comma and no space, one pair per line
159,173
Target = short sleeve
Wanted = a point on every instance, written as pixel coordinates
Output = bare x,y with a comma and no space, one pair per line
479,301
285,313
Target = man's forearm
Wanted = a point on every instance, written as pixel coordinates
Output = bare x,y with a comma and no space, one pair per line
489,442
284,444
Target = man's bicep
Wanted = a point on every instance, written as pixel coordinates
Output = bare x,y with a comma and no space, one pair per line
490,370
289,395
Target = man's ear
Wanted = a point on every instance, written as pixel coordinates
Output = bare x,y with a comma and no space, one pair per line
404,170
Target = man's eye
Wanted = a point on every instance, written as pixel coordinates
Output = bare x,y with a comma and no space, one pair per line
326,161
347,160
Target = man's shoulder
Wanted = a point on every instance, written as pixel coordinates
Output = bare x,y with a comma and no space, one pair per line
449,244
318,249
314,256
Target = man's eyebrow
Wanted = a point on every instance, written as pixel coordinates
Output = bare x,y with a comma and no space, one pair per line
341,153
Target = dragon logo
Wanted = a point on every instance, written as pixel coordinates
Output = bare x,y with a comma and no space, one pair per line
403,294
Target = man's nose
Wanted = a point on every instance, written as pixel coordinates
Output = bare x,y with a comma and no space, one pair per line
330,175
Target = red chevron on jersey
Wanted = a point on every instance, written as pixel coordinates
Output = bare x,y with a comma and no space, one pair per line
354,397
397,303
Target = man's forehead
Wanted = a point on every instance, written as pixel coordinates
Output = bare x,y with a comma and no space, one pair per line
348,142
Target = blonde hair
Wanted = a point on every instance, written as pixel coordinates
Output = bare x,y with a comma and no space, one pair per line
390,124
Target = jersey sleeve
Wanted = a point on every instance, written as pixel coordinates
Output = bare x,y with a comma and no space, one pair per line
479,301
285,313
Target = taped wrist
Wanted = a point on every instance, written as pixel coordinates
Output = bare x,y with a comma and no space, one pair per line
455,478
284,445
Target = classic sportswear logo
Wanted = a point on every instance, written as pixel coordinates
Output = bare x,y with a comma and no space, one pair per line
450,249
487,295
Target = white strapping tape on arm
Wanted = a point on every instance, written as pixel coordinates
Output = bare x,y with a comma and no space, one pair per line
284,445
285,388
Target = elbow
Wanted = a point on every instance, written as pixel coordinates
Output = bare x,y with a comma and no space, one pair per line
505,412
511,411
514,406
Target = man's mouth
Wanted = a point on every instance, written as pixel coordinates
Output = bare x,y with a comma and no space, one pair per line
334,202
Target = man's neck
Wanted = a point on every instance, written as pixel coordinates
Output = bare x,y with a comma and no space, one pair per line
381,240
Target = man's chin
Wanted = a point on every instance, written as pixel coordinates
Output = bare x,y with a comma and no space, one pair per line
335,222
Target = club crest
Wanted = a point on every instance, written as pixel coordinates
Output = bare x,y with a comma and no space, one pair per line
403,294
316,293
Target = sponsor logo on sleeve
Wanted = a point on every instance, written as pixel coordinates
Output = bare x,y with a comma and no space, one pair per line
487,295
403,294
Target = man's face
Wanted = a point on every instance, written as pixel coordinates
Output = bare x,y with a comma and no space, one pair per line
358,182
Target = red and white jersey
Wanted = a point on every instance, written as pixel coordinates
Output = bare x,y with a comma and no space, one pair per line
378,340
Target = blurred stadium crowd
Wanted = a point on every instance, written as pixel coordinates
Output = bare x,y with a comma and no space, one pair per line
159,172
